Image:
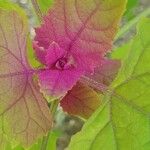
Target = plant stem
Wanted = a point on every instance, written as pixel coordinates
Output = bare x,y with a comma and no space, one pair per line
131,23
45,141
53,109
37,9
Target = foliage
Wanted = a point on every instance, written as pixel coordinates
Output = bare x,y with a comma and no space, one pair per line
24,114
123,121
44,5
75,52
131,6
70,60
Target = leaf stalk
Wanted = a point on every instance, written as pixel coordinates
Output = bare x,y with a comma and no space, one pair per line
53,109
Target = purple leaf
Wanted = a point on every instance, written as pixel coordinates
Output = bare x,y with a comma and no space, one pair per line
84,31
81,101
60,72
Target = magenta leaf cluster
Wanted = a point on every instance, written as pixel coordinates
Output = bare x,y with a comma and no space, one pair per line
62,69
70,43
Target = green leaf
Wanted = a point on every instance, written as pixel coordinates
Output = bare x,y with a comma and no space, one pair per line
123,123
121,52
127,27
44,5
51,145
138,57
131,5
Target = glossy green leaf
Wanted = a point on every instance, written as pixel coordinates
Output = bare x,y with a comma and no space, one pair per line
123,123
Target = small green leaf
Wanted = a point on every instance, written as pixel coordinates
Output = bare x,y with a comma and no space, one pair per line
123,122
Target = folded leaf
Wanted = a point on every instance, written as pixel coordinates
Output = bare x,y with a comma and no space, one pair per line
81,101
123,122
24,114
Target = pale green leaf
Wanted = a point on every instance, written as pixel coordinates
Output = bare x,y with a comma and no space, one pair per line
121,52
124,121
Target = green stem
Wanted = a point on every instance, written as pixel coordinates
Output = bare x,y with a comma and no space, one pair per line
53,109
130,24
45,141
37,9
